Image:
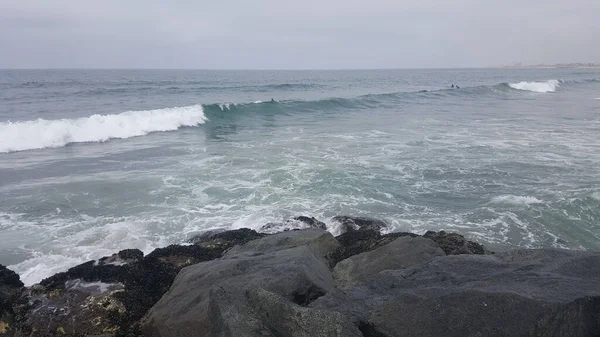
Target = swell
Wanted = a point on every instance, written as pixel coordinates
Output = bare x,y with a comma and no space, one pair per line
112,87
42,133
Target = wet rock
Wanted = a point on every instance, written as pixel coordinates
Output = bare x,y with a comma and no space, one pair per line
311,222
123,257
349,224
10,288
114,297
453,243
79,308
299,222
293,265
356,242
226,240
401,253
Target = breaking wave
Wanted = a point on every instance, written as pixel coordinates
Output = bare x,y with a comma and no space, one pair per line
547,86
41,133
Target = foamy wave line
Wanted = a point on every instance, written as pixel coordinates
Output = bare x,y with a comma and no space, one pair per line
516,200
41,133
548,86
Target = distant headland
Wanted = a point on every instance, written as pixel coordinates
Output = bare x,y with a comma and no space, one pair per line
556,65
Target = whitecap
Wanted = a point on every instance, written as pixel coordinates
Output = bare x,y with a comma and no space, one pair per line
516,200
547,86
41,133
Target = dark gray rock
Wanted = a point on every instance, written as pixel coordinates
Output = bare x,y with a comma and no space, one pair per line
356,242
401,253
299,222
311,222
518,293
320,241
349,223
106,297
10,288
226,240
123,257
257,312
292,265
453,243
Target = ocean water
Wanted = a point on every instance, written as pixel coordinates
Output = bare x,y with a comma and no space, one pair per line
96,161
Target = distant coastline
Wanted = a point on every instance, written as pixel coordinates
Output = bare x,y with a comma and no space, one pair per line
553,66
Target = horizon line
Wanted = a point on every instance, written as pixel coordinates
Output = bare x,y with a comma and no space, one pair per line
265,69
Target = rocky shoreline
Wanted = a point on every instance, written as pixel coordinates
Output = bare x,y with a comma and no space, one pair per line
306,282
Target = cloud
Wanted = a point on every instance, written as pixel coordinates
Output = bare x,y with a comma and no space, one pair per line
301,34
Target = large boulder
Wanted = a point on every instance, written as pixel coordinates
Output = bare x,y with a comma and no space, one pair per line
401,253
207,299
227,239
10,288
520,293
258,312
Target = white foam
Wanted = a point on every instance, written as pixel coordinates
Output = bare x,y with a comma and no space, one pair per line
548,86
40,267
41,133
516,200
226,106
90,287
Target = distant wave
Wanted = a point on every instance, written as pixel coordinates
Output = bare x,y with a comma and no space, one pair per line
547,86
41,133
516,200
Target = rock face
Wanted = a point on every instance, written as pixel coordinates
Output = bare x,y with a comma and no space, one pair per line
110,296
10,287
227,297
520,293
401,253
302,283
225,240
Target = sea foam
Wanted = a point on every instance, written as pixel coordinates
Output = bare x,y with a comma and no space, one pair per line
516,200
42,133
547,86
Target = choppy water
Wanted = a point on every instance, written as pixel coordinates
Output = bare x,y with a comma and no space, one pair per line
92,162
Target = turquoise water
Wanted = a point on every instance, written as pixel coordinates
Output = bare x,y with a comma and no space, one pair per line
92,162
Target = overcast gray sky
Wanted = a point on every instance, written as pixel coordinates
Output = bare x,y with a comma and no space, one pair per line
276,34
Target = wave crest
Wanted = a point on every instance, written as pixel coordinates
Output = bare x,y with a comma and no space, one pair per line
41,133
548,86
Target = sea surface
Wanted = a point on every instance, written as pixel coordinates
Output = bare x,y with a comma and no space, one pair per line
95,161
